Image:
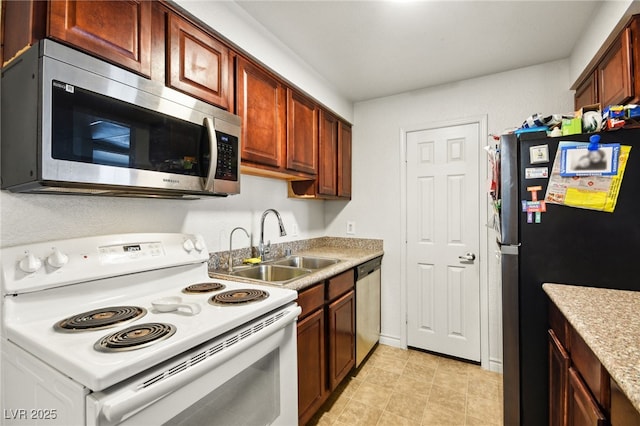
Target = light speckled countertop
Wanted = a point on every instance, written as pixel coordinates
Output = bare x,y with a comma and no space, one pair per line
351,252
609,322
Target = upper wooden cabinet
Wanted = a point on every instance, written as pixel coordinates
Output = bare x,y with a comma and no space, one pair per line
302,133
587,92
615,72
334,163
615,79
328,170
344,161
119,31
28,20
198,63
261,102
284,133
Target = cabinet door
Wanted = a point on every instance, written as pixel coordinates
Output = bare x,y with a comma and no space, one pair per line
615,72
328,147
302,133
119,31
587,92
198,63
623,412
312,387
344,161
583,410
559,362
342,338
262,106
27,21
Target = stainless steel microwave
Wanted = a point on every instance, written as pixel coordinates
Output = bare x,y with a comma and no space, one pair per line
72,123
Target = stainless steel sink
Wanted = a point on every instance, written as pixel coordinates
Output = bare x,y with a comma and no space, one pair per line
271,273
306,262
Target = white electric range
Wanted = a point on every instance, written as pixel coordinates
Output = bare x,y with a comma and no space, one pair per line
130,329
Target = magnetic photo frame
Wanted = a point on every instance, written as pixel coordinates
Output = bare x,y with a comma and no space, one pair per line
582,161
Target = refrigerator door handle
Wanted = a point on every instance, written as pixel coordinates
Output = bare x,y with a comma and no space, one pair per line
509,250
501,244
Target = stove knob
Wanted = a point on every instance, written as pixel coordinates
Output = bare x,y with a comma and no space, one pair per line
188,246
199,245
30,263
58,259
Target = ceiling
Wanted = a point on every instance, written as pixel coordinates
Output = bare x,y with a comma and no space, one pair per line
370,49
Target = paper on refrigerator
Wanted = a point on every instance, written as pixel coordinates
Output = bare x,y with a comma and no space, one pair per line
586,192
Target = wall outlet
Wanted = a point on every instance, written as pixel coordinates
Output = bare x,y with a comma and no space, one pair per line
351,228
294,230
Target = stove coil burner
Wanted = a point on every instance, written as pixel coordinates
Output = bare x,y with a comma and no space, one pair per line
203,288
135,337
99,319
238,297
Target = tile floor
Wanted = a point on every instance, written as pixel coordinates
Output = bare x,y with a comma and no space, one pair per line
398,387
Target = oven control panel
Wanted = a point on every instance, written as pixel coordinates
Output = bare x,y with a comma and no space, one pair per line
130,252
57,263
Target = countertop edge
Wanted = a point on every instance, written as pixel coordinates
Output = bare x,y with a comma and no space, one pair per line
617,372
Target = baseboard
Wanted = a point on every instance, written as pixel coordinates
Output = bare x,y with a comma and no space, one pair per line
391,341
495,365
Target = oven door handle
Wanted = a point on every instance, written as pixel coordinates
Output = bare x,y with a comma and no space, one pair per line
213,154
128,402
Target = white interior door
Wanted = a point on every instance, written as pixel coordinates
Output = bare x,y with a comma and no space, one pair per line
443,281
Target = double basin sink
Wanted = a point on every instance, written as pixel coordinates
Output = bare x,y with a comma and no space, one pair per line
285,270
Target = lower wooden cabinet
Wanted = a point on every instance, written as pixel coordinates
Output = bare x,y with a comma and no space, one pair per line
342,338
581,391
312,383
583,410
326,341
559,363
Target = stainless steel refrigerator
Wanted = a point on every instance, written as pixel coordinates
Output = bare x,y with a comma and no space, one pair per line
569,246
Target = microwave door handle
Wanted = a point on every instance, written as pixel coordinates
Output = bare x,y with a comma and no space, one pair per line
213,154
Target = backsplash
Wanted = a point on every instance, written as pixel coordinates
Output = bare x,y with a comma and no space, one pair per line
219,260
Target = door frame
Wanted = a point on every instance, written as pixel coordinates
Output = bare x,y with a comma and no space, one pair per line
481,121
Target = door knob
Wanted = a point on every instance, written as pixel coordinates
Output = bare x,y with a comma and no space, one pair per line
469,257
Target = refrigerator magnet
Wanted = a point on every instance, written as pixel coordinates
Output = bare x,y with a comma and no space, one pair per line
539,154
536,173
585,161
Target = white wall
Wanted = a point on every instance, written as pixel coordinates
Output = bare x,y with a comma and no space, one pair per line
506,98
235,24
29,218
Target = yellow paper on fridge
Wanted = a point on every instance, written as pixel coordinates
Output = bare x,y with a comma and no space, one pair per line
586,192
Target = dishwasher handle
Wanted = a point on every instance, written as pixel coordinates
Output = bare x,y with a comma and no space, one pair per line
368,267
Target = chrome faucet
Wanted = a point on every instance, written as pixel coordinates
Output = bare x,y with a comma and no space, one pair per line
230,261
266,249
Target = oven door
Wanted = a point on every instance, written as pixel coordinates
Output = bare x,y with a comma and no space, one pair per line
248,376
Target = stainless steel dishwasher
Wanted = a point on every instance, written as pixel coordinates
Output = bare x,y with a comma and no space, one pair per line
367,307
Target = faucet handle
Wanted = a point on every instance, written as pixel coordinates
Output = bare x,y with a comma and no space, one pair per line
287,251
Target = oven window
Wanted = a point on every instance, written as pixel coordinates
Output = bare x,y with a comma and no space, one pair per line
250,398
92,128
